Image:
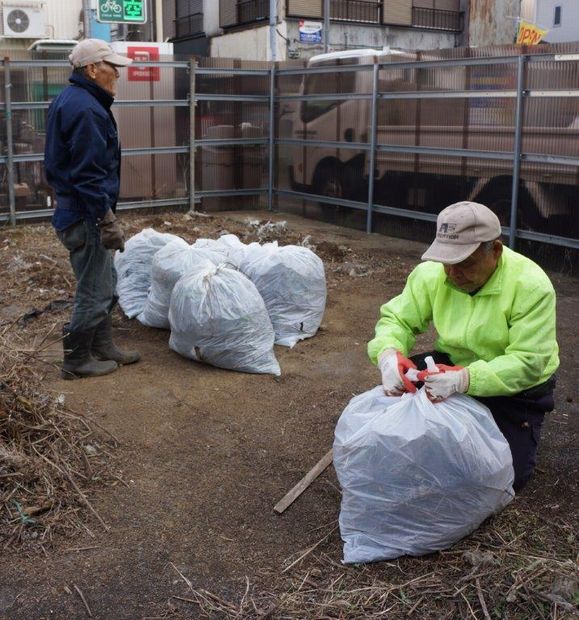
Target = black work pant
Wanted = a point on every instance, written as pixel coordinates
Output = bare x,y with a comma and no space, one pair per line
519,418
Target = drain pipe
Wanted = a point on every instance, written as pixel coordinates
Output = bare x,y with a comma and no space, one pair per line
272,29
86,18
326,26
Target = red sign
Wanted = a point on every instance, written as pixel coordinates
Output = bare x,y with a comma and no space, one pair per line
143,74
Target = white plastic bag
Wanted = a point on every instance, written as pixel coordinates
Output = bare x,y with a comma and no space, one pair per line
133,268
292,282
170,264
229,245
217,316
416,476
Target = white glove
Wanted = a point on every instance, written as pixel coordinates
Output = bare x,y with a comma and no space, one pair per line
444,382
392,365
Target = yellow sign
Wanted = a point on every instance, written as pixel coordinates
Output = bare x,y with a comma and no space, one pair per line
529,34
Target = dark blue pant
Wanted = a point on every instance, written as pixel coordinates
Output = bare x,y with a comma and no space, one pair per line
95,274
519,418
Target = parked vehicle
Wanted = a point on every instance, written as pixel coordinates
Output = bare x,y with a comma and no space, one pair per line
455,118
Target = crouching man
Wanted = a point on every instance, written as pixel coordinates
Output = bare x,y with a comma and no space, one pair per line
82,160
494,313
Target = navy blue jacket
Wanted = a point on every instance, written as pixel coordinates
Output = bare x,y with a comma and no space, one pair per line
82,155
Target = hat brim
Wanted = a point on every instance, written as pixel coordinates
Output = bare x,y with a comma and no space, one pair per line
117,60
449,253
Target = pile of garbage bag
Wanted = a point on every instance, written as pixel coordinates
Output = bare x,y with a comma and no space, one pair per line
417,477
285,293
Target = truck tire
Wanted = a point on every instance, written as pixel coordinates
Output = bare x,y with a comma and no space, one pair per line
329,180
497,198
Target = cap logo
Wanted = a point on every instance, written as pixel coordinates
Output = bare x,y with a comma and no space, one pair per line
446,231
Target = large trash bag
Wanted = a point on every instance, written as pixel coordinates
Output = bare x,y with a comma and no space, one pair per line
133,268
229,245
416,476
217,316
292,282
170,264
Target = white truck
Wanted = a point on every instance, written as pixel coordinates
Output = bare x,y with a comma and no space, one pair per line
548,192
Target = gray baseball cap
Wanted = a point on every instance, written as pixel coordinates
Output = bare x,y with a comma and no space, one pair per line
460,229
88,51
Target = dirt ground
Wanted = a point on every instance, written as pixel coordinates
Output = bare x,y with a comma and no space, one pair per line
205,453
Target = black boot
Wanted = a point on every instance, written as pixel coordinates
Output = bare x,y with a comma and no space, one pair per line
103,347
78,361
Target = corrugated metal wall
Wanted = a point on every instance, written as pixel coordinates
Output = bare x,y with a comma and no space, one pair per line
63,24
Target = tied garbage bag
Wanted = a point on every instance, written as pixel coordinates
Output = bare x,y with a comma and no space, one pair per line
229,245
170,264
417,477
292,282
133,267
217,316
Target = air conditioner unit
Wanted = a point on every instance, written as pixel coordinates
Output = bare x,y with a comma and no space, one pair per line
23,22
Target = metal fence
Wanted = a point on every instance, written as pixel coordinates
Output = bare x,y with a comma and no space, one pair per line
379,143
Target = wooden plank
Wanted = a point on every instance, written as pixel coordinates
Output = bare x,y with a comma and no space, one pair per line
290,497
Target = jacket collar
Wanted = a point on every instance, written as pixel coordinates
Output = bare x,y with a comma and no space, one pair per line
492,286
101,95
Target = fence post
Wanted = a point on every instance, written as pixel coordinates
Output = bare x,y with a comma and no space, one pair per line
372,162
192,146
9,140
517,150
271,150
326,26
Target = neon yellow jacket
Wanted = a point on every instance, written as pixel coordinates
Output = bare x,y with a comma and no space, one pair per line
505,334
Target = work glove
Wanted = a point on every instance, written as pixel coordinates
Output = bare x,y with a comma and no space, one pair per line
441,383
112,235
393,365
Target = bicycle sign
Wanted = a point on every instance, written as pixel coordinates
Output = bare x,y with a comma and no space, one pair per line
122,11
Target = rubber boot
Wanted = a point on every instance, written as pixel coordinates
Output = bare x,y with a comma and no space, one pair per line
103,347
78,361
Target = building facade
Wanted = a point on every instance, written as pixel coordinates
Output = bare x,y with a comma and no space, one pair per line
492,22
23,22
559,17
240,28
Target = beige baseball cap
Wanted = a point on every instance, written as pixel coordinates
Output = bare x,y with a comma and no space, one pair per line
460,229
88,51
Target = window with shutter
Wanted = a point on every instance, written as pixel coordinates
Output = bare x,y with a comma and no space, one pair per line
397,12
227,13
304,8
188,17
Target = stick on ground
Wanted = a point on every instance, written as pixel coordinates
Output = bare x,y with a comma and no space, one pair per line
290,497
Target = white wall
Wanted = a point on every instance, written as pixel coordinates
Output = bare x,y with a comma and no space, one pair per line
61,19
250,44
211,17
493,22
253,43
348,36
569,28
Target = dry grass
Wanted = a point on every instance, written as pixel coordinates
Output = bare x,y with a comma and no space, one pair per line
515,566
50,456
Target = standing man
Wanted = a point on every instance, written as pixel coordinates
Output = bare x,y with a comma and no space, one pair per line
494,314
82,159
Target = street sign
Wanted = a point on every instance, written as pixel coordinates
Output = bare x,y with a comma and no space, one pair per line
310,32
122,11
143,74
